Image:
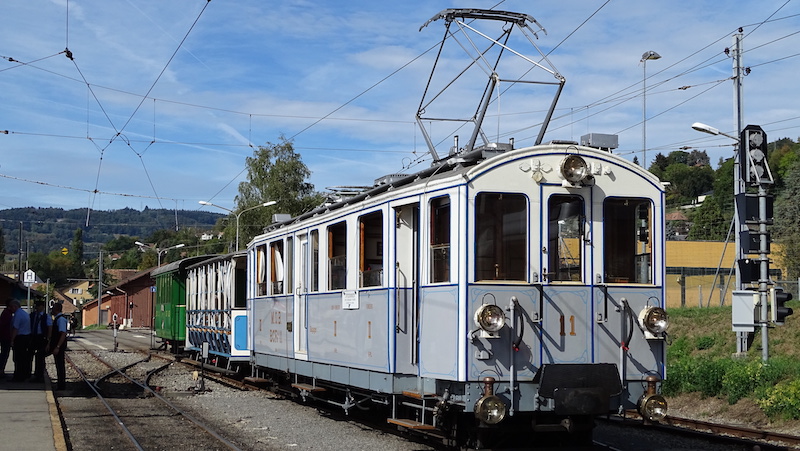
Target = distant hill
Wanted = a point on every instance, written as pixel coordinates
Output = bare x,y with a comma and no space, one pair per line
48,229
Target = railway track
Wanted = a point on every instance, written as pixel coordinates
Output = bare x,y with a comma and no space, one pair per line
146,419
177,384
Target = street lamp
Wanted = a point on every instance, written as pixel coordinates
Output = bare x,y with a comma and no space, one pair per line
701,127
159,251
649,55
238,215
741,342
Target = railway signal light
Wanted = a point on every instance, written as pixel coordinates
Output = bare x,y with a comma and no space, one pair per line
778,299
753,156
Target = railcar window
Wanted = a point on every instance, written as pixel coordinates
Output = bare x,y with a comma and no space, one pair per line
565,238
276,267
315,260
261,270
440,239
337,256
370,257
501,231
627,225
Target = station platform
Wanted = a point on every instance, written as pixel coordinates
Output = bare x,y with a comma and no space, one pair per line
29,419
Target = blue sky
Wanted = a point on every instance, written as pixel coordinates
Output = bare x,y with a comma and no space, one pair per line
162,100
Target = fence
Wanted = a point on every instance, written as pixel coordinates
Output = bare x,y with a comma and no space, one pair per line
705,287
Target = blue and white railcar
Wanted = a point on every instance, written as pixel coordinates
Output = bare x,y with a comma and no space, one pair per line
502,291
514,283
216,310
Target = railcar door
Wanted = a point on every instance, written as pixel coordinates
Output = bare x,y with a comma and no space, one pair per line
406,280
567,305
300,320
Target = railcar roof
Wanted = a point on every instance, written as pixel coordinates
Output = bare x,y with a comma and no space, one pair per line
216,258
180,264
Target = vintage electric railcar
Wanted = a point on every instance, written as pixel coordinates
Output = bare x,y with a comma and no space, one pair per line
501,292
216,309
170,302
515,284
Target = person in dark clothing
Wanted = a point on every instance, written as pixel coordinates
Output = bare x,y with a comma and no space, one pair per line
5,338
41,323
21,342
59,347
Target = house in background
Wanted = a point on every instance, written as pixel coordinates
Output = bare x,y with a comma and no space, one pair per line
130,299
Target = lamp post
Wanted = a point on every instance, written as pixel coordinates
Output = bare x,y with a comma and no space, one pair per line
159,251
649,55
741,342
238,215
737,188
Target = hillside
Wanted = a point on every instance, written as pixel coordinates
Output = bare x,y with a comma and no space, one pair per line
47,229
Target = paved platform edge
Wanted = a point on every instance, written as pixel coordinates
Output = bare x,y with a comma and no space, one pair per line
59,435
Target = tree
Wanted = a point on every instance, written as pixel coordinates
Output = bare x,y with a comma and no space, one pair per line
274,173
786,230
76,254
712,220
2,245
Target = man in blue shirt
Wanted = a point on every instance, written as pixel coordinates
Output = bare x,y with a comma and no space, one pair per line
20,341
41,323
59,346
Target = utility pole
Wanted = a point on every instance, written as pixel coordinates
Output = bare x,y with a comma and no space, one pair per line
738,183
100,287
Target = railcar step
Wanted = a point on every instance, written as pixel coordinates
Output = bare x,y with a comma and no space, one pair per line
410,424
307,387
417,395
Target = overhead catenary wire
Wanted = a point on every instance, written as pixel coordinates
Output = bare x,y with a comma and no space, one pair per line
133,143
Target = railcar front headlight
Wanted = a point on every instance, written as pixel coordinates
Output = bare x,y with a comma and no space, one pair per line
654,320
490,318
574,169
653,407
490,409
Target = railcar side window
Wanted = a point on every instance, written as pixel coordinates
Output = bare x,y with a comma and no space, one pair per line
261,270
565,238
627,226
315,260
276,267
371,249
440,239
501,237
337,256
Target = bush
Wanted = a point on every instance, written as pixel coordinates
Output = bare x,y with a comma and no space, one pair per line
782,401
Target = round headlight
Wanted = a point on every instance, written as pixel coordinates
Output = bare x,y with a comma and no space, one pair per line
490,409
655,320
574,169
653,407
490,318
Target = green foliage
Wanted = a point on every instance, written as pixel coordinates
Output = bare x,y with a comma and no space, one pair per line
699,360
274,173
782,400
51,229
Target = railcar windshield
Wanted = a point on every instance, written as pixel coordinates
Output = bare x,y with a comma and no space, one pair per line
501,237
627,228
565,238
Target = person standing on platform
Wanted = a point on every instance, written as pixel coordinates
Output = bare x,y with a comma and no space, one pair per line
59,346
5,338
41,323
20,342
